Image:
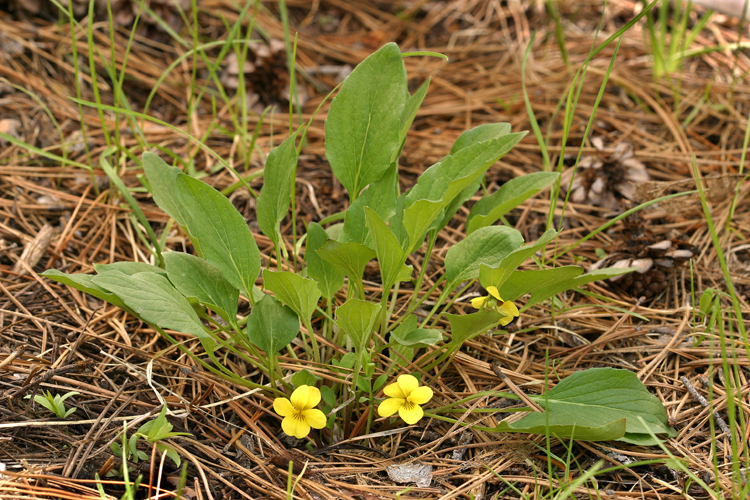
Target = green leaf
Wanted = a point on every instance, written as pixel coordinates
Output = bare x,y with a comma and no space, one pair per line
198,278
271,326
511,194
84,283
597,397
304,377
419,337
545,283
169,452
163,178
444,181
482,133
390,254
276,194
488,246
707,298
350,257
640,439
411,107
154,299
467,326
129,268
329,397
496,276
329,278
380,382
222,233
362,128
357,319
301,294
380,196
564,430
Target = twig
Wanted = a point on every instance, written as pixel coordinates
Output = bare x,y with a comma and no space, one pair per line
719,421
73,367
513,387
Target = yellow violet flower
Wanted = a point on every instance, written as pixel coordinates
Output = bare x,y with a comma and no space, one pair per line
494,301
405,396
300,413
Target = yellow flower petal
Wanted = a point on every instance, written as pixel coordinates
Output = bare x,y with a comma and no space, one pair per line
296,426
492,290
407,383
315,418
300,396
510,309
390,406
313,397
393,390
478,302
420,395
283,407
411,414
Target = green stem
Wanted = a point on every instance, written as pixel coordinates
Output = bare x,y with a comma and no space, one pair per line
313,341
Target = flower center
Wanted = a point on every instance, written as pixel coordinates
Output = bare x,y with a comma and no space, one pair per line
409,406
299,416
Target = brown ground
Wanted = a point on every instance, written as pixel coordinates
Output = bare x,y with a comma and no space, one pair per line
77,343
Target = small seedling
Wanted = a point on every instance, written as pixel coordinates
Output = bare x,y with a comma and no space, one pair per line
56,404
153,432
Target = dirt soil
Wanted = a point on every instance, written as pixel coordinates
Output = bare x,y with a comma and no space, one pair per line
54,215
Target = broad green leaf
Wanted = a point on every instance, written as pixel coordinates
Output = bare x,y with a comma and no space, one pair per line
476,135
224,237
396,223
129,268
390,254
545,283
511,194
496,276
276,194
402,355
600,396
564,430
357,318
271,325
468,162
163,178
83,283
443,182
482,133
488,246
350,257
362,127
380,196
467,326
411,107
419,337
155,300
304,377
198,278
329,278
640,439
301,294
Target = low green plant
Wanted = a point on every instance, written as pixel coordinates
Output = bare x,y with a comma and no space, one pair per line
56,403
153,431
321,290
